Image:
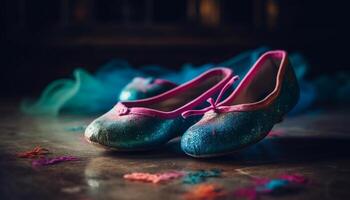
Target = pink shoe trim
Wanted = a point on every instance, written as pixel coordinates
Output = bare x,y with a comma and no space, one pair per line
133,107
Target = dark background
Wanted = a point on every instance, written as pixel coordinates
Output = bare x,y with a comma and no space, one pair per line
43,40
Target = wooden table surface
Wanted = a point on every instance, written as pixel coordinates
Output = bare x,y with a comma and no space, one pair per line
315,145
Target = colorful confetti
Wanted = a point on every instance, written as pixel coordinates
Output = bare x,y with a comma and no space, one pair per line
153,178
36,152
205,191
263,186
199,176
192,177
295,178
52,161
248,193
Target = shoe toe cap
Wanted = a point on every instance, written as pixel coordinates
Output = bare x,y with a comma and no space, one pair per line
129,132
96,132
198,141
224,133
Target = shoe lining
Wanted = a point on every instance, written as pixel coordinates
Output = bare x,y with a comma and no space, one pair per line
261,85
186,95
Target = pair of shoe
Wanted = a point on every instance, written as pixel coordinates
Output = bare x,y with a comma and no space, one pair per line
267,92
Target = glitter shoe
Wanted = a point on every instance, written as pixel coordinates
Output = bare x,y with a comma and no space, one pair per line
267,92
149,123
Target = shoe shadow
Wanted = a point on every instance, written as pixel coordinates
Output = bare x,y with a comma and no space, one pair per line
289,150
269,150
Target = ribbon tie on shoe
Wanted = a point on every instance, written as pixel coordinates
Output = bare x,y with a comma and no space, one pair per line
213,104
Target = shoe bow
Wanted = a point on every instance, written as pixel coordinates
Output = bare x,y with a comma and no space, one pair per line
214,105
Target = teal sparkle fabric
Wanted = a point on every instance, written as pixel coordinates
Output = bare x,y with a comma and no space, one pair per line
85,93
199,176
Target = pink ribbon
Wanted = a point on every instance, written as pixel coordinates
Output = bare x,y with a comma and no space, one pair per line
213,104
52,161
